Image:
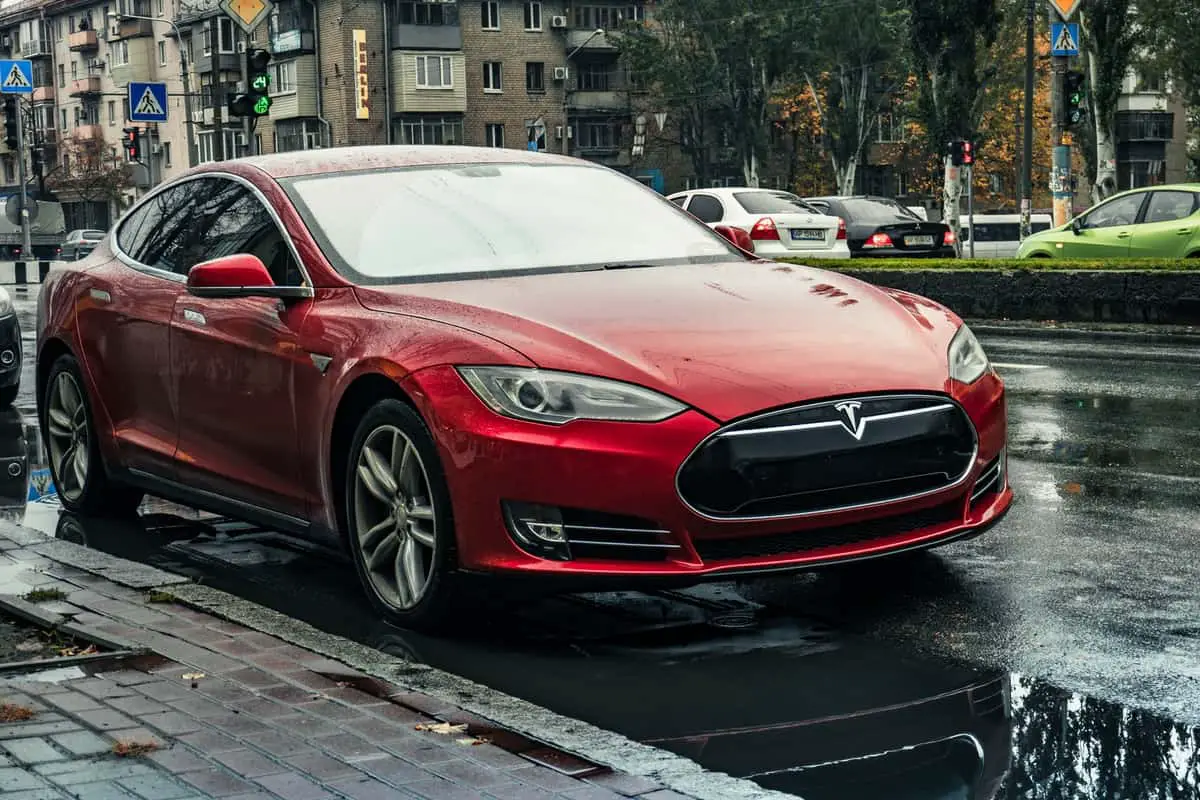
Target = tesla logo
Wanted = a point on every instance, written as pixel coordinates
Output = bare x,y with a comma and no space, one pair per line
851,421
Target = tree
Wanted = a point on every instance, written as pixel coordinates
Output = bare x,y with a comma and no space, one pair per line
87,171
1110,39
1171,31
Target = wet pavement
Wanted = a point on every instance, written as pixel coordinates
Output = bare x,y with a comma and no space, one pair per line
1057,656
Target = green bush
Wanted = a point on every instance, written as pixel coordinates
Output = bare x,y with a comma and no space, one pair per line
1004,264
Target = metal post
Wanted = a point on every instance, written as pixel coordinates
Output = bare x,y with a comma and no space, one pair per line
218,123
1060,174
1027,158
185,78
26,237
971,206
247,121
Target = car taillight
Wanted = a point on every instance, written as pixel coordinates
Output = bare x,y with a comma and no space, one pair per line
949,238
841,228
879,240
764,230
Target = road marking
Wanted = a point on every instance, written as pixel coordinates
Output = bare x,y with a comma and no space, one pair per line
999,365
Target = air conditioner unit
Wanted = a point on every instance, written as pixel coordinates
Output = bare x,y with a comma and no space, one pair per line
6,41
558,21
558,131
241,47
561,73
156,150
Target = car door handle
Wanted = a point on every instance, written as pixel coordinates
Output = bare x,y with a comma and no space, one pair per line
1123,235
1184,231
194,317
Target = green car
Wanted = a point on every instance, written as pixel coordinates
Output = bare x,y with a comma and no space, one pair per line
1153,222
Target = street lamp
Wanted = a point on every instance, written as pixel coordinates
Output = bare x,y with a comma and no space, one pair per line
183,76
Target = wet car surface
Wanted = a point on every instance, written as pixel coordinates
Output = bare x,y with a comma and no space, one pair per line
1057,656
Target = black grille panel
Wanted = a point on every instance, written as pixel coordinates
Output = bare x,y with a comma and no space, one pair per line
807,460
781,544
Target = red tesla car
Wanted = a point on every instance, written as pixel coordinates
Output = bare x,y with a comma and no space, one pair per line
456,360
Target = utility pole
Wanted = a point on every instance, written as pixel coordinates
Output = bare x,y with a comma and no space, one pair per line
1064,43
26,234
247,120
218,102
1027,155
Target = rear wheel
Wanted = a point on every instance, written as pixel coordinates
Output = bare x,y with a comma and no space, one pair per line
76,465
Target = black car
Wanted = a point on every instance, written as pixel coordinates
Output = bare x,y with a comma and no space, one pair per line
878,227
10,351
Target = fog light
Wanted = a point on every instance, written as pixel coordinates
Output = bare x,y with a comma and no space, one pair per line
7,357
538,530
15,469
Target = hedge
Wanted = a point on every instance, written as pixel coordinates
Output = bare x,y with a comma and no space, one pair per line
1004,264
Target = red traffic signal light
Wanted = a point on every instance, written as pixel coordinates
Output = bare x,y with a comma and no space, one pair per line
962,152
132,140
968,153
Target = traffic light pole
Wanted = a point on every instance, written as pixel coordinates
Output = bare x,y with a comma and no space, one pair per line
247,121
1027,149
1060,175
26,234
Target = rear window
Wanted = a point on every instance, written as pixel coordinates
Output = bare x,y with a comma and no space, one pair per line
877,211
768,203
93,236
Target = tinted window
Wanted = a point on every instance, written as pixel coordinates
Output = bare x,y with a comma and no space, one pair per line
706,208
679,201
231,219
770,203
877,212
153,233
1168,206
1122,211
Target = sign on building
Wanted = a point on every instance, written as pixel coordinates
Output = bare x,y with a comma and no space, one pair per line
362,95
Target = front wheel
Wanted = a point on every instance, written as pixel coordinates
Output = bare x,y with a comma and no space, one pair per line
398,518
82,483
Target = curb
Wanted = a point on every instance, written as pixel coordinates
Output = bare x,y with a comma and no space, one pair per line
1096,332
522,717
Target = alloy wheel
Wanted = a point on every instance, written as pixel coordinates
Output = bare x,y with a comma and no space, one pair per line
67,436
395,522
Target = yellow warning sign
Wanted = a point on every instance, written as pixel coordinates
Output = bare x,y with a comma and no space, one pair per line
1065,8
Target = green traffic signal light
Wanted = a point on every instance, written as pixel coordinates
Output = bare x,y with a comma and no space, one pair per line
262,106
261,82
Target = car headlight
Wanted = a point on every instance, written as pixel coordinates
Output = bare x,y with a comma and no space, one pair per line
968,362
6,305
556,397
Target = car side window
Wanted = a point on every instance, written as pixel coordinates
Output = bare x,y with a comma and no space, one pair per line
1114,213
231,219
706,208
1167,206
154,234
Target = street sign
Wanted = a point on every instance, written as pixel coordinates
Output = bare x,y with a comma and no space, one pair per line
1065,8
248,14
147,102
1064,38
16,76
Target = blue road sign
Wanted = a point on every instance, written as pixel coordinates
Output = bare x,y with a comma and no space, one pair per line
16,76
147,102
1064,38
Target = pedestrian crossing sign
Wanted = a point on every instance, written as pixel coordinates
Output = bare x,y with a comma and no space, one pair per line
147,102
16,76
1064,39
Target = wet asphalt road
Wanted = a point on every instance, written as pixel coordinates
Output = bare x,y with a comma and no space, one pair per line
1057,656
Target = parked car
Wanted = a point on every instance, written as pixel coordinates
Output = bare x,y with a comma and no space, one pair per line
372,347
878,227
79,244
779,223
1154,222
10,351
999,235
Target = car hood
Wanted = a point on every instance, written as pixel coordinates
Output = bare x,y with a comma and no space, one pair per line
728,339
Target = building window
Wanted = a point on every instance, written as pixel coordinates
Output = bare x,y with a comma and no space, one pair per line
422,129
599,135
205,145
434,72
258,144
607,17
162,54
62,76
62,118
283,77
535,134
889,129
409,12
112,112
162,7
493,134
1133,126
166,154
297,134
535,76
226,42
533,16
120,54
1151,83
595,78
490,15
74,70
493,76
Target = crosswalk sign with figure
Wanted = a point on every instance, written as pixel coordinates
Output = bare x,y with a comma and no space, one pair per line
16,76
1064,39
147,102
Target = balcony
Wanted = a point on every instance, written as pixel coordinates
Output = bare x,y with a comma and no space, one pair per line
43,94
588,41
89,133
427,37
126,28
36,48
289,42
82,41
218,62
48,137
85,86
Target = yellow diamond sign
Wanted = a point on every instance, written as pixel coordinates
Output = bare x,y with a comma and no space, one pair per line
248,14
1065,8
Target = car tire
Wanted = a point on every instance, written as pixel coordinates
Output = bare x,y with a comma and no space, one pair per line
8,395
81,479
398,520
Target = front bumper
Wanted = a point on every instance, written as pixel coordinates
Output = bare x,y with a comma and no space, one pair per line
10,351
617,484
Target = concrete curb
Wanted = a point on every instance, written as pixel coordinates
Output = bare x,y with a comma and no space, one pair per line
1118,296
573,736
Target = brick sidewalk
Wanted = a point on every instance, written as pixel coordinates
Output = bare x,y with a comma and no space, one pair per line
236,713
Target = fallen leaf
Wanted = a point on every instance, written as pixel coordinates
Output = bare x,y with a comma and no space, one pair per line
444,728
193,676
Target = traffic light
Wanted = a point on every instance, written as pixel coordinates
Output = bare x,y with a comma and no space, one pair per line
962,153
12,118
256,100
1074,99
132,139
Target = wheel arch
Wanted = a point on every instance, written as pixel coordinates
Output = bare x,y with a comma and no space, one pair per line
53,349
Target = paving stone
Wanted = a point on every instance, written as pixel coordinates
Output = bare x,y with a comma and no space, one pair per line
211,742
468,773
99,689
13,779
260,795
127,677
173,723
136,735
289,694
179,759
264,641
437,789
101,790
164,691
199,707
217,783
73,701
398,713
347,746
157,787
278,744
310,679
207,636
273,661
628,785
305,725
545,778
494,756
21,699
105,719
519,791
250,764
419,750
138,705
293,786
326,769
91,771
592,793
37,728
254,678
329,709
376,729
263,708
234,647
35,750
664,794
366,789
225,691
47,793
230,628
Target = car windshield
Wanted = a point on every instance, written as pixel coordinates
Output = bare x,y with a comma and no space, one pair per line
877,211
770,203
490,220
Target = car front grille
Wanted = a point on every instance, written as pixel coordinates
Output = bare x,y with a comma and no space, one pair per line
828,456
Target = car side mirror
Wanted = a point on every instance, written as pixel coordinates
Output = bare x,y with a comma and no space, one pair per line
239,275
1076,225
737,236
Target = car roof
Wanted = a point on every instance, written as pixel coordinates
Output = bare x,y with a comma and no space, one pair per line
728,191
333,160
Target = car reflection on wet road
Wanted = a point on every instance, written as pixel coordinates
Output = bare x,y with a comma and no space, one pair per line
902,679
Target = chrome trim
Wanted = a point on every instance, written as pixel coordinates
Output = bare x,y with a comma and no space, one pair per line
612,530
837,509
836,423
128,261
626,544
986,480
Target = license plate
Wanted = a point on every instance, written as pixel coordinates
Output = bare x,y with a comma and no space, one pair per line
923,241
808,235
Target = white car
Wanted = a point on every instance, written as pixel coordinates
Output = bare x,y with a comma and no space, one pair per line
779,223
